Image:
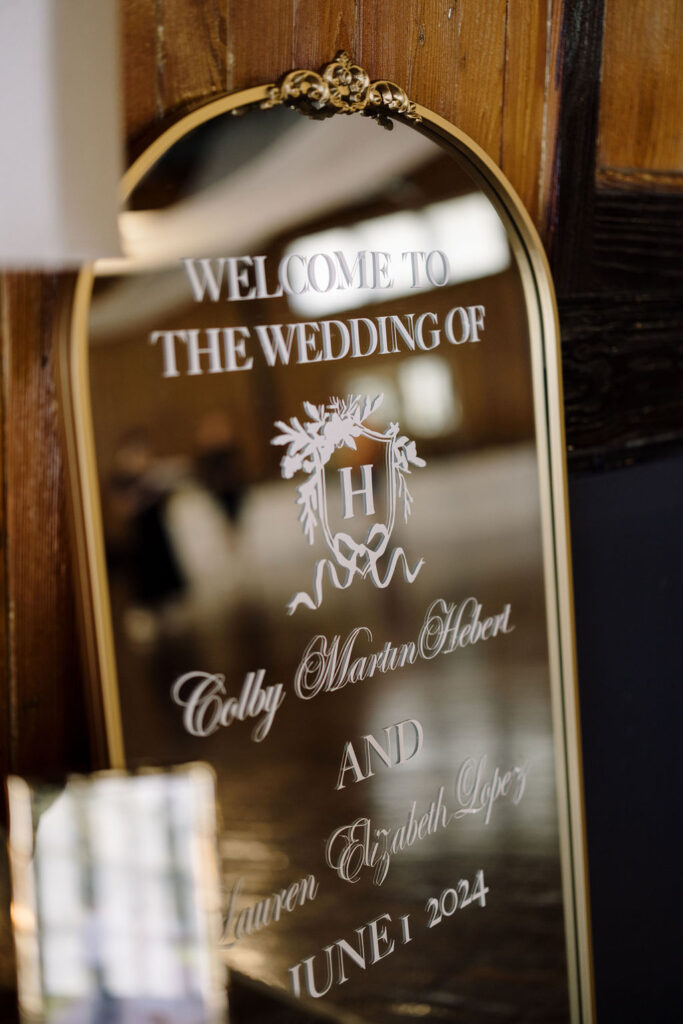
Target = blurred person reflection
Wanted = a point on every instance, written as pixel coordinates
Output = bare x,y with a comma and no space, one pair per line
217,462
140,487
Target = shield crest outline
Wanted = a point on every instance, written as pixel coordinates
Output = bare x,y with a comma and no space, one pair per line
348,550
310,446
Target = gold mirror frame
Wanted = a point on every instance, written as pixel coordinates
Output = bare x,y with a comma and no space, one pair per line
345,88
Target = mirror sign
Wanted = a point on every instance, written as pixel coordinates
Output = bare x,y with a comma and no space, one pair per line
375,664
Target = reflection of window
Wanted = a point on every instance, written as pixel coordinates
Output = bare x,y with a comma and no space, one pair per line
431,406
420,394
467,229
376,384
61,909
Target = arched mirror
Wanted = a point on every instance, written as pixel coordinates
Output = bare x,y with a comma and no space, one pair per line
315,424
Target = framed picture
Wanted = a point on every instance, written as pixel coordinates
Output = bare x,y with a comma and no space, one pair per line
314,418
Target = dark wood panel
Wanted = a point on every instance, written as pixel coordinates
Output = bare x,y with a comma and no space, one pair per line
571,214
638,240
616,255
623,371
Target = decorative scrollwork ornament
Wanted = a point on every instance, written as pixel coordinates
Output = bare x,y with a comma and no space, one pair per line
340,87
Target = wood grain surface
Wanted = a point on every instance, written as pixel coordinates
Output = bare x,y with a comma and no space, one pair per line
46,721
480,89
260,41
139,55
531,103
640,141
317,26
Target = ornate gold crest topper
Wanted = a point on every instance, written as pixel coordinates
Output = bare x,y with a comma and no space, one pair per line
341,87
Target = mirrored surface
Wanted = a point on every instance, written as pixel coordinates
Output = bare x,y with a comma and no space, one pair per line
318,472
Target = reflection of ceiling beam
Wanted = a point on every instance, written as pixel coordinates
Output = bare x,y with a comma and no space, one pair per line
310,171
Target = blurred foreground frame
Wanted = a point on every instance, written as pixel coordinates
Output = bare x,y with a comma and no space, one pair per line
115,898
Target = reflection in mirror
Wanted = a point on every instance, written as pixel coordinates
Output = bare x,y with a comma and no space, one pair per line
312,399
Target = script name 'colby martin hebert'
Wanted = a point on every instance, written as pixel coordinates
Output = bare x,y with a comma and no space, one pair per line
330,665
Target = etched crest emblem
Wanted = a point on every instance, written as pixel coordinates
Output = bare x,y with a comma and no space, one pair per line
310,447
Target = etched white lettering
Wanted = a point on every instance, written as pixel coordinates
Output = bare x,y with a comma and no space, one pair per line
435,336
255,917
437,268
207,279
392,753
329,355
352,848
168,347
477,789
364,491
372,943
207,706
273,343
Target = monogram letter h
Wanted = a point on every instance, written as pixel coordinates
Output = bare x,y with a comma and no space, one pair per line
365,490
